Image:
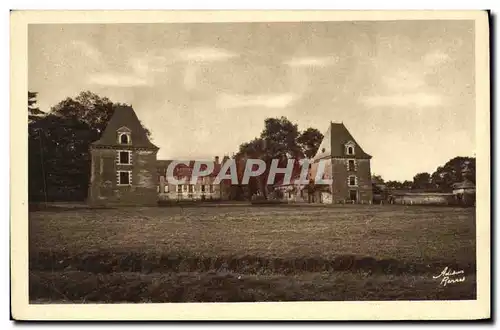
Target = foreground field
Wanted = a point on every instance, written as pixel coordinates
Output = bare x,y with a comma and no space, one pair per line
251,253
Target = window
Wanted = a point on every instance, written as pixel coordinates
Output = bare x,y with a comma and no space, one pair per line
124,138
179,188
202,188
166,189
352,180
349,148
191,188
124,177
124,157
123,135
351,165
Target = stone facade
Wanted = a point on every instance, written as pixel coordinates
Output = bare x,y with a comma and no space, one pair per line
346,164
106,187
123,163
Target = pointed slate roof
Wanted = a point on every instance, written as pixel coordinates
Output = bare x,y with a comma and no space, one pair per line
333,144
124,116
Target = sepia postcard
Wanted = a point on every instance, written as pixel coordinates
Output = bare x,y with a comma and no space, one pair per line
250,165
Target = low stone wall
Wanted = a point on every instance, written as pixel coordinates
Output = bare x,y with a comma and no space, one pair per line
423,198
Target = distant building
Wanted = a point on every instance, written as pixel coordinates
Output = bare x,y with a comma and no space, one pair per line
465,192
204,188
348,165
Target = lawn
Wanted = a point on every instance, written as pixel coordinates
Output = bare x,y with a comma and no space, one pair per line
245,253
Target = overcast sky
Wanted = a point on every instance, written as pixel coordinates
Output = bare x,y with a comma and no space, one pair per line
405,89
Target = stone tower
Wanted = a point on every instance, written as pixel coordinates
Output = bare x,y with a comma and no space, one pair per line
347,165
123,163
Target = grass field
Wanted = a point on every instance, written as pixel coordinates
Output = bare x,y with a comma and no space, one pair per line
245,253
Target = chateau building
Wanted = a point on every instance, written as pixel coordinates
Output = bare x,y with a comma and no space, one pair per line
347,165
125,169
123,163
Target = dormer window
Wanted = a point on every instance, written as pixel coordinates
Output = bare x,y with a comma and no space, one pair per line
349,148
124,136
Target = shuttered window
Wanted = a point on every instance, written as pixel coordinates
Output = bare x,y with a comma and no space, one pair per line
124,177
352,181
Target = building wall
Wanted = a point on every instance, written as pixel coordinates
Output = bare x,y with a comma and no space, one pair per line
364,175
170,191
338,170
104,187
424,198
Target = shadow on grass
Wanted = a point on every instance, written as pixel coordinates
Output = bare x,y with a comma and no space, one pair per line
108,262
82,287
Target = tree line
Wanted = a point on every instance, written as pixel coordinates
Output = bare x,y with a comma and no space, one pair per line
59,156
442,179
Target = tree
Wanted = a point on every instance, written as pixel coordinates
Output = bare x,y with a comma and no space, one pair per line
33,111
309,141
280,139
393,184
422,181
255,149
455,170
407,185
377,179
59,159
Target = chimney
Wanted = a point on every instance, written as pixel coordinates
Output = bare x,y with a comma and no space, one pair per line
216,159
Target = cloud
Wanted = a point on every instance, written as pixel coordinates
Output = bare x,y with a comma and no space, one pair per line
276,101
418,99
138,71
404,80
142,68
311,61
203,54
437,57
190,76
117,80
403,87
143,65
87,50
